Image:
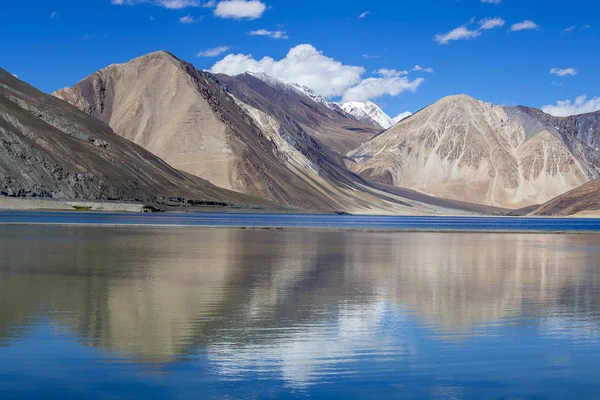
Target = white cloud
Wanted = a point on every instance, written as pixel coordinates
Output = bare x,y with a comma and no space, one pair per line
373,88
213,52
581,105
151,18
54,15
188,19
574,27
172,4
464,32
491,23
363,15
303,64
389,73
525,25
417,68
496,2
278,34
370,56
240,9
460,33
402,116
563,72
307,66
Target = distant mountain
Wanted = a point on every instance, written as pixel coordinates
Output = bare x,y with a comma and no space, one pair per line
368,113
464,149
50,149
252,133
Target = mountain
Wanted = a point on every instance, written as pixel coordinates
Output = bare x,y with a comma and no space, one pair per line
239,133
321,119
584,199
50,149
368,113
464,149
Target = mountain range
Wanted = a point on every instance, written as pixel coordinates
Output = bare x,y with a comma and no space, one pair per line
157,130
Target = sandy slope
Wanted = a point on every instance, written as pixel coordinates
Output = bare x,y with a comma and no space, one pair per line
464,149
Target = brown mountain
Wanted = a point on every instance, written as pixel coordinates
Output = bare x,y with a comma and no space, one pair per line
464,149
585,199
240,133
50,149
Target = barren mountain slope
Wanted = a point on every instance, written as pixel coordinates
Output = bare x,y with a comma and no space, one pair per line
584,199
50,149
189,119
185,117
464,149
323,120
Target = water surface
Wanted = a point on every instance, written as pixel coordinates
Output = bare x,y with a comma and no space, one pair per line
191,313
362,222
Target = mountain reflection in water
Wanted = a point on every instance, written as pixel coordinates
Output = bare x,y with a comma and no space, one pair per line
301,307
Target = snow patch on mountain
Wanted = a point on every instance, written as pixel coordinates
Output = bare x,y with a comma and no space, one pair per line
368,112
289,87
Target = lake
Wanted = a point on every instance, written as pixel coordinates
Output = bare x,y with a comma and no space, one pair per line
101,312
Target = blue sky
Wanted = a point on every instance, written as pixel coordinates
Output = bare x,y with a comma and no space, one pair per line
53,44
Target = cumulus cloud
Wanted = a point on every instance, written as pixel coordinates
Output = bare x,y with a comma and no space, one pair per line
172,4
373,88
240,9
581,105
563,72
213,52
402,116
303,64
278,34
307,66
523,26
464,32
496,2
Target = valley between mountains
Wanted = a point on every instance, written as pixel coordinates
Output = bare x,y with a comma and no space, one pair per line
157,131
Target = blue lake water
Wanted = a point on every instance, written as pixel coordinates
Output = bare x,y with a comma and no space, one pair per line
101,312
308,221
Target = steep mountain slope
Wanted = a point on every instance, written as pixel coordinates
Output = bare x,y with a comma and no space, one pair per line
50,149
464,149
584,199
368,113
581,132
186,117
321,119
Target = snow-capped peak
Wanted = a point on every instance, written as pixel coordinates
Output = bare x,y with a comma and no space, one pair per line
368,112
283,85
